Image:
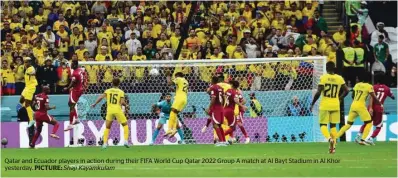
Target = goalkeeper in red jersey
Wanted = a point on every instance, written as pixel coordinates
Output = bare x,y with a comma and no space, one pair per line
216,110
376,110
41,115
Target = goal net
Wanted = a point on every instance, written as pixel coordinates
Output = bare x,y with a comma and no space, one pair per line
283,88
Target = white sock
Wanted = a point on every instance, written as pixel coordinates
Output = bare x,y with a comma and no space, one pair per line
75,134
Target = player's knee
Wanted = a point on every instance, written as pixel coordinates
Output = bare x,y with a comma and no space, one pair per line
332,125
323,125
124,124
174,110
368,122
350,123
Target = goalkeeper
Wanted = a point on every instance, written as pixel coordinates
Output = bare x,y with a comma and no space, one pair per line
165,109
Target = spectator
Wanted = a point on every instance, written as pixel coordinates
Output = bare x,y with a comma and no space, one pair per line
295,108
103,55
340,36
61,21
349,62
131,30
381,51
392,77
251,48
49,37
256,109
362,12
278,39
311,44
133,44
360,59
149,51
318,23
99,8
47,75
163,42
8,77
91,44
80,51
308,12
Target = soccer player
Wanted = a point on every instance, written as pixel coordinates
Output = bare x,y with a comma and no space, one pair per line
29,90
231,100
225,86
41,115
239,117
165,109
114,102
376,110
329,108
216,110
179,103
75,91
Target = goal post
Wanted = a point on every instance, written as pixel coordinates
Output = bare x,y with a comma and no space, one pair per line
283,86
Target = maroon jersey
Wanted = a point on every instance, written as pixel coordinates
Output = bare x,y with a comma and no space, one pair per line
79,75
240,96
230,95
381,92
217,92
41,101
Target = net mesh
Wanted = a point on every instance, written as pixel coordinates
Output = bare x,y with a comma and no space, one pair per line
283,87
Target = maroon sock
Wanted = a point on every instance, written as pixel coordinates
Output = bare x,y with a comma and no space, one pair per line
208,122
243,131
220,134
376,132
55,128
362,127
35,137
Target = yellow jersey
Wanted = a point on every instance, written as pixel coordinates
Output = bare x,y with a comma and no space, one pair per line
30,77
181,87
330,94
113,98
361,92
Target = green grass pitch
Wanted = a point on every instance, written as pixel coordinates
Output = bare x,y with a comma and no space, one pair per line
349,160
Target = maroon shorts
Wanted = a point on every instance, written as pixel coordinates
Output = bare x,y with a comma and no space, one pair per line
230,116
239,118
377,118
41,117
74,96
217,115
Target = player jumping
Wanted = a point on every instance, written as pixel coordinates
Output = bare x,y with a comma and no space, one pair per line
29,90
180,101
231,100
114,102
76,89
329,108
358,108
216,110
41,115
165,109
376,110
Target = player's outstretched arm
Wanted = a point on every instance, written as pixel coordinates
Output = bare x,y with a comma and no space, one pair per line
48,107
345,91
317,95
99,99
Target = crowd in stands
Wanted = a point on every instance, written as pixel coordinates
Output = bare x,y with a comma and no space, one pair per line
53,33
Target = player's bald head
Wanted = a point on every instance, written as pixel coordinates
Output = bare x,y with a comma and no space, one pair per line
74,64
116,82
234,84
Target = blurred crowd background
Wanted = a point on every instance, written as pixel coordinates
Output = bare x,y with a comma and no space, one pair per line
53,33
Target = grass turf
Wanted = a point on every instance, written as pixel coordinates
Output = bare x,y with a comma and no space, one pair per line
349,160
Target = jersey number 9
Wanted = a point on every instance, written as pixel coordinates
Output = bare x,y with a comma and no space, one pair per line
330,90
113,98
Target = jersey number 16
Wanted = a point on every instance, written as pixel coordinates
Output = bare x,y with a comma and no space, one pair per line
113,98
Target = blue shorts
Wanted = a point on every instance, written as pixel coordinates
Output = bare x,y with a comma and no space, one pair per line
163,119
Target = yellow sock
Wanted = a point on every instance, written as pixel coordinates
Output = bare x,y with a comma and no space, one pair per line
325,131
106,134
333,133
30,112
343,130
215,134
225,127
172,121
366,130
126,132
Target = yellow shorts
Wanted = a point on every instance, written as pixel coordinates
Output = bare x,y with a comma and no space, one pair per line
120,117
179,104
326,117
363,114
28,92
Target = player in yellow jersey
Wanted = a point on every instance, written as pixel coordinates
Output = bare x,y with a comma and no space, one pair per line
115,99
358,108
329,108
179,103
29,90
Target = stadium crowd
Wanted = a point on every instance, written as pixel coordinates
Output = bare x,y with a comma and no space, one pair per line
53,33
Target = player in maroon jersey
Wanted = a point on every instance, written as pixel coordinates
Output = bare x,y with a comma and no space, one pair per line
216,110
376,110
76,89
239,117
231,99
41,115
